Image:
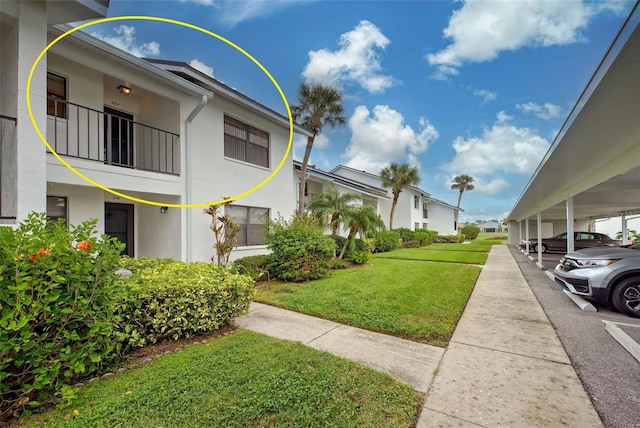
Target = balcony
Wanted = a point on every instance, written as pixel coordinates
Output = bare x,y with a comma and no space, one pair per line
110,137
8,163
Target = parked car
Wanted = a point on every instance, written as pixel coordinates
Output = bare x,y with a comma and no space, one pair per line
558,243
603,275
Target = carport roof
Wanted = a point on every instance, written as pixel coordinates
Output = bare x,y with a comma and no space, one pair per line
595,158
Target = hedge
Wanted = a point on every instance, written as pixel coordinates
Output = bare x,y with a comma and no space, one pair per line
57,310
167,300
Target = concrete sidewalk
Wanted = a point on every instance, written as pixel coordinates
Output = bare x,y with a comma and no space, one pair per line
504,366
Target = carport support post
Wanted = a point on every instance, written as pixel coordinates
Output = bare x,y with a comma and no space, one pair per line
520,231
539,230
625,239
570,234
526,234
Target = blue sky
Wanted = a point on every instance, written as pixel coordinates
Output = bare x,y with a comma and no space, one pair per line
454,87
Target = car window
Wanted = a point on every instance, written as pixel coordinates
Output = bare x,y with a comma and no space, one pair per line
585,236
563,236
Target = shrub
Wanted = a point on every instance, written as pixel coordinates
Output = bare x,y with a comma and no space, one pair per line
251,266
336,263
425,236
405,233
411,244
450,239
471,231
359,257
357,244
57,312
167,300
385,240
299,250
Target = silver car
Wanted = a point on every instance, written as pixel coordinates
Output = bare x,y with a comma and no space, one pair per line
604,274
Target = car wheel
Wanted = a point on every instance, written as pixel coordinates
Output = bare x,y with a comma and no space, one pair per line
626,296
534,248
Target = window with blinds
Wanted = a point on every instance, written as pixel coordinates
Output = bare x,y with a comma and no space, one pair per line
245,143
56,208
56,95
252,221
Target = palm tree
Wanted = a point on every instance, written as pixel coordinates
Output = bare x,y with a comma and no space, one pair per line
319,105
396,177
362,218
334,204
462,183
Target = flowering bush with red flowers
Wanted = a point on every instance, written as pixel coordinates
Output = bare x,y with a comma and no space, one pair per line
57,311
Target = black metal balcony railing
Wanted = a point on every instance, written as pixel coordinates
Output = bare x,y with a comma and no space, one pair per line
8,164
85,133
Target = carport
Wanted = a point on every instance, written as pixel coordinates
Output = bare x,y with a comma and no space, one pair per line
592,169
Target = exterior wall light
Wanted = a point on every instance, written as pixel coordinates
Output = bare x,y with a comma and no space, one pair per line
163,210
124,90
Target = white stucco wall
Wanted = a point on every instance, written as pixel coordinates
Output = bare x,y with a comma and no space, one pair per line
215,176
441,218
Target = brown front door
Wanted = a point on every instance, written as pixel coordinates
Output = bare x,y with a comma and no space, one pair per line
118,222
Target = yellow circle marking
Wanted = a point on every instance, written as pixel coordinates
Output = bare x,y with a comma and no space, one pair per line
187,25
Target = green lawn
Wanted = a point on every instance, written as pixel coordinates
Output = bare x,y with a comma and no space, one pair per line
411,299
470,255
244,380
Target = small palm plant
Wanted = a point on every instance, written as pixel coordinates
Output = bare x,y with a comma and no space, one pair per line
361,219
331,203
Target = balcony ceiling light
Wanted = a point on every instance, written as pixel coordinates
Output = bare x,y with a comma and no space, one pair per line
124,90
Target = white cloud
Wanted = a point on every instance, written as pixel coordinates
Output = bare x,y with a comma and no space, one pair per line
201,66
491,186
300,143
235,12
126,40
480,30
381,137
356,61
501,148
546,111
486,95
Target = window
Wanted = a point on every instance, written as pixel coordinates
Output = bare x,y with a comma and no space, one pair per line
56,208
416,226
425,211
416,202
56,95
252,221
245,143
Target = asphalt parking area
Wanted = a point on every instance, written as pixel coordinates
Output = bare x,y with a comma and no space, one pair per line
610,374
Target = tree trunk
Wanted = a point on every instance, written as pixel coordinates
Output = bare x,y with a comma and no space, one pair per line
352,232
334,225
303,174
459,198
393,209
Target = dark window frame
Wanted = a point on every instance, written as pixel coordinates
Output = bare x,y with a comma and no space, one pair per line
57,109
65,216
241,147
244,227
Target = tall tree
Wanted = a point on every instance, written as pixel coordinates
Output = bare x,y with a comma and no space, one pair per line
397,177
462,183
318,106
334,204
362,218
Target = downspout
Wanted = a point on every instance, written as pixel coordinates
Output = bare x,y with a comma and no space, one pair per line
188,166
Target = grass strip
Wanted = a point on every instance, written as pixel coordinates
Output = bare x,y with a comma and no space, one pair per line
244,380
435,255
410,299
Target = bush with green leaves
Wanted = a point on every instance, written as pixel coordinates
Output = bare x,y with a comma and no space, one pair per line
336,263
471,231
450,239
253,266
299,249
425,236
167,299
359,257
385,240
357,244
57,310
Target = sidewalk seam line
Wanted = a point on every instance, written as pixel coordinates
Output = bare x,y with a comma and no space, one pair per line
323,334
515,353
